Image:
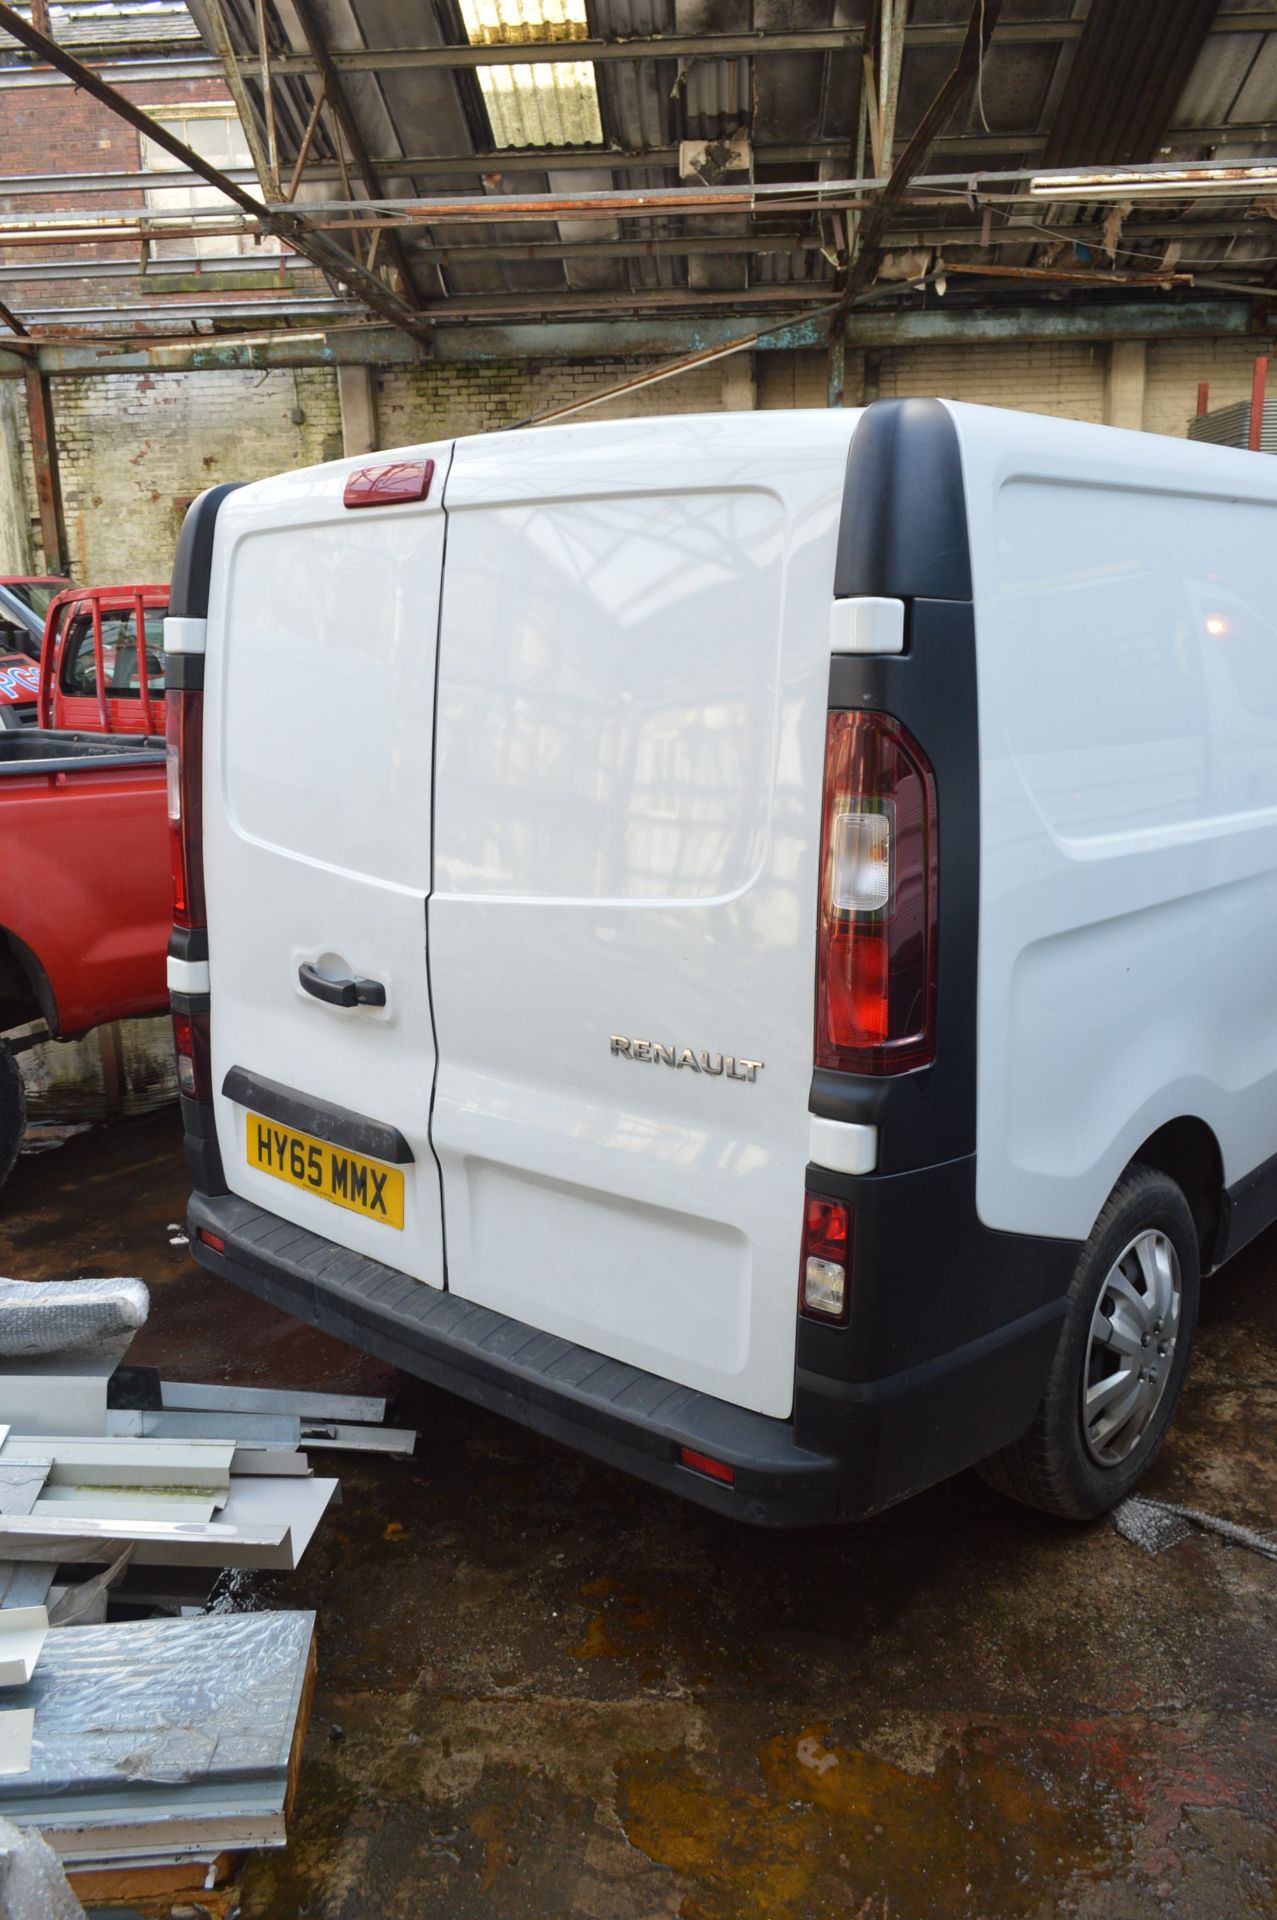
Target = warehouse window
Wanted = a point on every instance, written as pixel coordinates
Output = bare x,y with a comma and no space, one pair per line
553,104
215,133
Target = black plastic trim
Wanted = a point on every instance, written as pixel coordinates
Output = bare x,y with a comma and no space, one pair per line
57,750
338,1125
184,673
193,561
1250,1205
189,944
928,1278
853,1445
190,1003
922,1426
903,531
617,1413
199,1141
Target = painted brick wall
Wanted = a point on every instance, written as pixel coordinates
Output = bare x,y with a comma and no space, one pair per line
1063,380
424,403
1176,366
135,449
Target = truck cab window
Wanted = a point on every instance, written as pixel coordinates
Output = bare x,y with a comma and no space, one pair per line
121,666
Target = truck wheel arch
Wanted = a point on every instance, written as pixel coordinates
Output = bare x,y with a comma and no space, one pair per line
25,990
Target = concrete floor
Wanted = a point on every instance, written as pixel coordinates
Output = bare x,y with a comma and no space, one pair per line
547,1691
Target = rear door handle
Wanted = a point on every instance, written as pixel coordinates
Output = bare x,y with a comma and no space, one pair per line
341,993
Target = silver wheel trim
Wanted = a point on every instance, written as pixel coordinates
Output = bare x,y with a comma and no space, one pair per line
1130,1351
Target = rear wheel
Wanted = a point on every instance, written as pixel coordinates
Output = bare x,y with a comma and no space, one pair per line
1128,1331
13,1111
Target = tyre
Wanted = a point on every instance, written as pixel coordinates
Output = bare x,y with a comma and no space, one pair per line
1117,1373
13,1111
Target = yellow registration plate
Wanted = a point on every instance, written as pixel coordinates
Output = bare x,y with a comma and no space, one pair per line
334,1173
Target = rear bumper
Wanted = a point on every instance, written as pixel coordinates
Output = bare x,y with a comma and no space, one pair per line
871,1442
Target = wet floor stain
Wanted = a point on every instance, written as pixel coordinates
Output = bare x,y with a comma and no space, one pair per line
546,1691
1009,1815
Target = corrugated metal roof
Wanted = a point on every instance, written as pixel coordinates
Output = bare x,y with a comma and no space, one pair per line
570,127
541,106
102,25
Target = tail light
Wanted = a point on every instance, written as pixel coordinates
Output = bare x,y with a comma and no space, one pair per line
876,963
184,732
822,1290
194,1065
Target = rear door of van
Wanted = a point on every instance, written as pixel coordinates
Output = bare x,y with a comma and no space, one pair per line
633,681
318,724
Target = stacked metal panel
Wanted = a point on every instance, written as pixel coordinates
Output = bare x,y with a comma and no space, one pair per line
163,1740
1230,426
145,1747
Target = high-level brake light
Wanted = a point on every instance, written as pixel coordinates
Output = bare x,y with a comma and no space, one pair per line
876,955
389,485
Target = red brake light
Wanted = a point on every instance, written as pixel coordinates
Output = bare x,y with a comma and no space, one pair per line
213,1240
184,732
823,1290
194,1062
876,962
390,485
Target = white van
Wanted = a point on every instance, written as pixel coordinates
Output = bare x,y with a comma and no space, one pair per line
744,943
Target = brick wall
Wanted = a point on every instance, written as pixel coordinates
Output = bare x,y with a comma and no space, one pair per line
134,450
1040,378
60,128
1176,366
423,403
1063,380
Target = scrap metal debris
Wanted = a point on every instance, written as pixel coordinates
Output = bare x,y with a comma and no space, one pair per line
1155,1525
141,1747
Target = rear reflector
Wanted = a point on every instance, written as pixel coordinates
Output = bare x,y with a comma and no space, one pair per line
213,1240
701,1463
823,1292
389,486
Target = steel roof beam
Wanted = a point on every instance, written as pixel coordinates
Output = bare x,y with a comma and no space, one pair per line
330,258
586,159
380,346
339,106
708,46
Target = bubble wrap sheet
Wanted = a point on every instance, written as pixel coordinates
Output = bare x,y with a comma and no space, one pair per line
67,1316
32,1883
173,1703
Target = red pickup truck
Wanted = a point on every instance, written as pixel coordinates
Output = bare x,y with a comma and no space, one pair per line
85,892
96,673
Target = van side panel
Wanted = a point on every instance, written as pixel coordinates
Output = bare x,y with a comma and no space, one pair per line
631,716
1127,667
